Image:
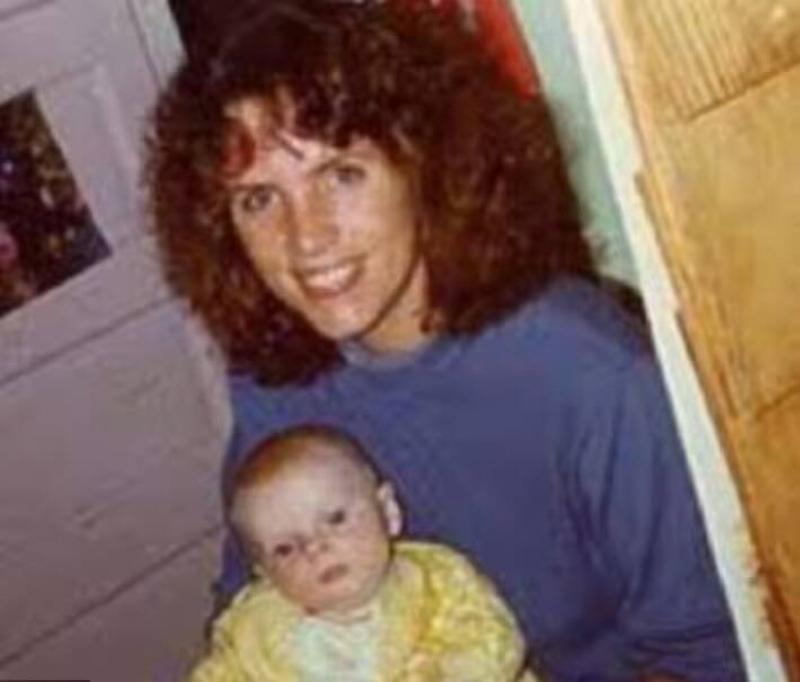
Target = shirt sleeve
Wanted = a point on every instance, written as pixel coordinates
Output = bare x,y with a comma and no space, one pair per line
472,635
646,532
220,664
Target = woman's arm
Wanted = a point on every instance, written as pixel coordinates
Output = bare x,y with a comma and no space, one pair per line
642,520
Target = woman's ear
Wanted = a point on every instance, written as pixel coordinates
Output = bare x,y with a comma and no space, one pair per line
390,507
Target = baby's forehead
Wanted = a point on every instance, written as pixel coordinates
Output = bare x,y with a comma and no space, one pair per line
335,456
322,466
328,462
302,493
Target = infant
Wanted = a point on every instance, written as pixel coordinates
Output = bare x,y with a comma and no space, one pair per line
335,596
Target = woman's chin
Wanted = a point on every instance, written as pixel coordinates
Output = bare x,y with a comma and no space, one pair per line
339,329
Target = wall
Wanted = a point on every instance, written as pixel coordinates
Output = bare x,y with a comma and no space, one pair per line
546,28
111,429
108,518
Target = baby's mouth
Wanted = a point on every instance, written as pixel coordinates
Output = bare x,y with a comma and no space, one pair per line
333,573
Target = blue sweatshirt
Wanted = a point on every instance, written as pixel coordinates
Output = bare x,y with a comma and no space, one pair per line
545,449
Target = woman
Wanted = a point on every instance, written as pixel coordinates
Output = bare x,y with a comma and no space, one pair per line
378,230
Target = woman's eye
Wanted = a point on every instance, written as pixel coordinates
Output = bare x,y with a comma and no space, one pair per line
348,174
255,200
337,518
282,551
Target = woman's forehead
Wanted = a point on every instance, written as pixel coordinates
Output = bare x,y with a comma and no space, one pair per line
258,115
257,126
255,132
248,127
252,148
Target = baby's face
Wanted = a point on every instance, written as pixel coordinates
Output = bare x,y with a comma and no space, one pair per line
319,530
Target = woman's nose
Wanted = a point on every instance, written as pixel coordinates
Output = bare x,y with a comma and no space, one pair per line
312,226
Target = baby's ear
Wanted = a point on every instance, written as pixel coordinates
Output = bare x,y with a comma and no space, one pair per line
259,571
254,553
390,507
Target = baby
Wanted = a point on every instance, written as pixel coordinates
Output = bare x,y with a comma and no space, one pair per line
335,596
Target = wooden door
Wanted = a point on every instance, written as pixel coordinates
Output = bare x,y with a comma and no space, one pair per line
714,86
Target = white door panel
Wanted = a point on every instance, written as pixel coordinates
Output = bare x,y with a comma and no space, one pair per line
111,415
85,65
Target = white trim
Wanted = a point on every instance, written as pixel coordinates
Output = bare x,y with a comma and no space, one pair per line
210,367
160,36
162,43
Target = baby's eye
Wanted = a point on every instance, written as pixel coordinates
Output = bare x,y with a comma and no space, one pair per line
283,551
254,200
337,517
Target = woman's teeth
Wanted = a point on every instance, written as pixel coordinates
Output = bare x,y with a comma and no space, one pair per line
328,280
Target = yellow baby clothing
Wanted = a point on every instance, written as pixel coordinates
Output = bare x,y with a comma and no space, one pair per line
434,619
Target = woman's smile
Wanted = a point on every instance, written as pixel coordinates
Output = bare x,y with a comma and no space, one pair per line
330,282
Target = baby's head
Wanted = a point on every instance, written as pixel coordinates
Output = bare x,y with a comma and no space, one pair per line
315,519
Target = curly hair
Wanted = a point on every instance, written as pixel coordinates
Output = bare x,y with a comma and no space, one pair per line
500,221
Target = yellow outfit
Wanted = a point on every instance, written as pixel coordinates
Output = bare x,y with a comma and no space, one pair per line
435,619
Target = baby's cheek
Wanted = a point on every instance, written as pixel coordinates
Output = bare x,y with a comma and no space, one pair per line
285,579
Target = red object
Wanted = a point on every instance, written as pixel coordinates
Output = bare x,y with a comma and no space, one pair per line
503,37
499,31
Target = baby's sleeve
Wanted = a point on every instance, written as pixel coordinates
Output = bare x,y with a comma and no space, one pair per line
472,632
241,640
220,664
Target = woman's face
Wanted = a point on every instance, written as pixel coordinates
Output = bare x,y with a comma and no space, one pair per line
333,233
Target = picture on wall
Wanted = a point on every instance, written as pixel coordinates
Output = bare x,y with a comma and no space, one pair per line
47,233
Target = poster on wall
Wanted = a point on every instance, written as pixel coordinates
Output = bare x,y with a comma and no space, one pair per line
47,232
75,259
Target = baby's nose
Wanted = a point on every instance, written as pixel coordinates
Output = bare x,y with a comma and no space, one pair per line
314,545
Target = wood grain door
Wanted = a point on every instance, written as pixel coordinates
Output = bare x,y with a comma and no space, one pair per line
714,86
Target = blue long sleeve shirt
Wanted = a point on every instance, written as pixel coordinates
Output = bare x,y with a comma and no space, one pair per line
545,449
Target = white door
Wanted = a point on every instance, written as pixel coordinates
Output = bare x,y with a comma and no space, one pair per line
110,436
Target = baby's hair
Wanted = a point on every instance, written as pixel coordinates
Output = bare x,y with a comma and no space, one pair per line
288,447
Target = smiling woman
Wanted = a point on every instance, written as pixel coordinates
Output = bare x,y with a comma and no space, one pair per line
332,232
376,225
379,87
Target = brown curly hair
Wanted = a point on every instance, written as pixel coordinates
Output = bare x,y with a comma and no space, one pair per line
500,221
